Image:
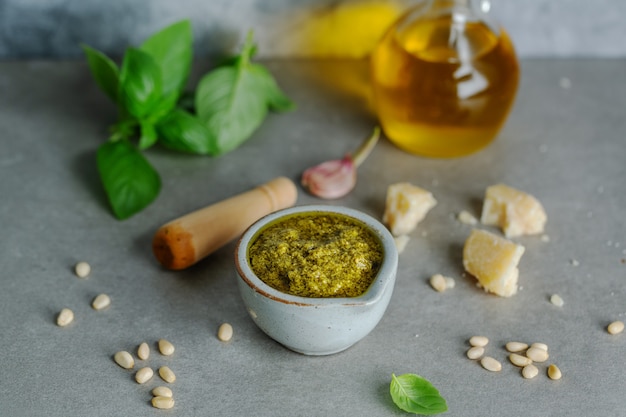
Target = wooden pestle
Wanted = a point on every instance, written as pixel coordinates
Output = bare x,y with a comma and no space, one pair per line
186,240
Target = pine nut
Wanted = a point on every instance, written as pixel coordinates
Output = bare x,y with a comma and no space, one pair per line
143,351
519,360
82,269
554,372
162,392
557,300
491,364
65,317
101,302
616,327
515,347
466,217
144,375
165,347
167,374
530,371
540,346
438,282
475,352
537,354
225,332
450,282
124,359
481,341
163,403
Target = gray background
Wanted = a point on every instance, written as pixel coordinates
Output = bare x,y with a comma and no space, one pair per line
563,145
55,28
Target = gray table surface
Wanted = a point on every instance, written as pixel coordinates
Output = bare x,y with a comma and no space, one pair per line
566,146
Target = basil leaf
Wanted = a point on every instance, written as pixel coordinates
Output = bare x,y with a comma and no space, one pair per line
172,50
140,83
231,102
164,106
182,131
128,178
104,71
414,394
148,135
276,99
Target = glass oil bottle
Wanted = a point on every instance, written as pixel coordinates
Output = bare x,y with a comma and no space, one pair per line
444,78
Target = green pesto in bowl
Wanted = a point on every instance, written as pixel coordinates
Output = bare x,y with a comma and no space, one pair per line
317,255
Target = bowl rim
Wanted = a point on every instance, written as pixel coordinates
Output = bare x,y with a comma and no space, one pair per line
386,274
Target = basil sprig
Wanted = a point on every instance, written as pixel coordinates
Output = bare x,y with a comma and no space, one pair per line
414,394
148,88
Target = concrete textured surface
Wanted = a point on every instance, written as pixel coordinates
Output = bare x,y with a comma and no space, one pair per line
55,28
564,143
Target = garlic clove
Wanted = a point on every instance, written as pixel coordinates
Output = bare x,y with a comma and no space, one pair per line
331,179
336,178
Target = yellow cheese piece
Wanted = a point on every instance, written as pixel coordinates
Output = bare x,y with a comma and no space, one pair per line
515,212
405,207
493,260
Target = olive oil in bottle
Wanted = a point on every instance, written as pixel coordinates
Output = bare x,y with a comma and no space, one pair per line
443,81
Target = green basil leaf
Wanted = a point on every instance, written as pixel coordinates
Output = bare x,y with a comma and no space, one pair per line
129,180
276,99
172,50
182,131
140,83
415,394
231,102
148,135
164,106
104,71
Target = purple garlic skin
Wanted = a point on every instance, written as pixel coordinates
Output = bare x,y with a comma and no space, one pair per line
336,178
331,179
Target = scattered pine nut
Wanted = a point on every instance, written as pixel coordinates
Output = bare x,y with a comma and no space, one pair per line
167,374
515,347
491,364
143,351
475,352
554,372
537,354
530,371
519,360
225,332
165,347
124,359
540,346
481,341
162,392
101,302
450,282
163,403
65,317
616,327
144,375
466,217
82,269
557,300
438,282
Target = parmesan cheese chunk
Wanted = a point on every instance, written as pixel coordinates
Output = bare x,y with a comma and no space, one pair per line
515,211
405,207
493,260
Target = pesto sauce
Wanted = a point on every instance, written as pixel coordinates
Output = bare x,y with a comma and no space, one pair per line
317,255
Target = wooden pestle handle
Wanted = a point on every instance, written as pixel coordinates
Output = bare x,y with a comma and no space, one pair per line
186,240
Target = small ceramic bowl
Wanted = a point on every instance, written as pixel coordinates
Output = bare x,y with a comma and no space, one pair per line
316,326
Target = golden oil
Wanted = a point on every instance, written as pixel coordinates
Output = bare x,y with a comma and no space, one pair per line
443,86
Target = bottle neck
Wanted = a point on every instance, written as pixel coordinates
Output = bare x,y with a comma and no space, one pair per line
461,11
